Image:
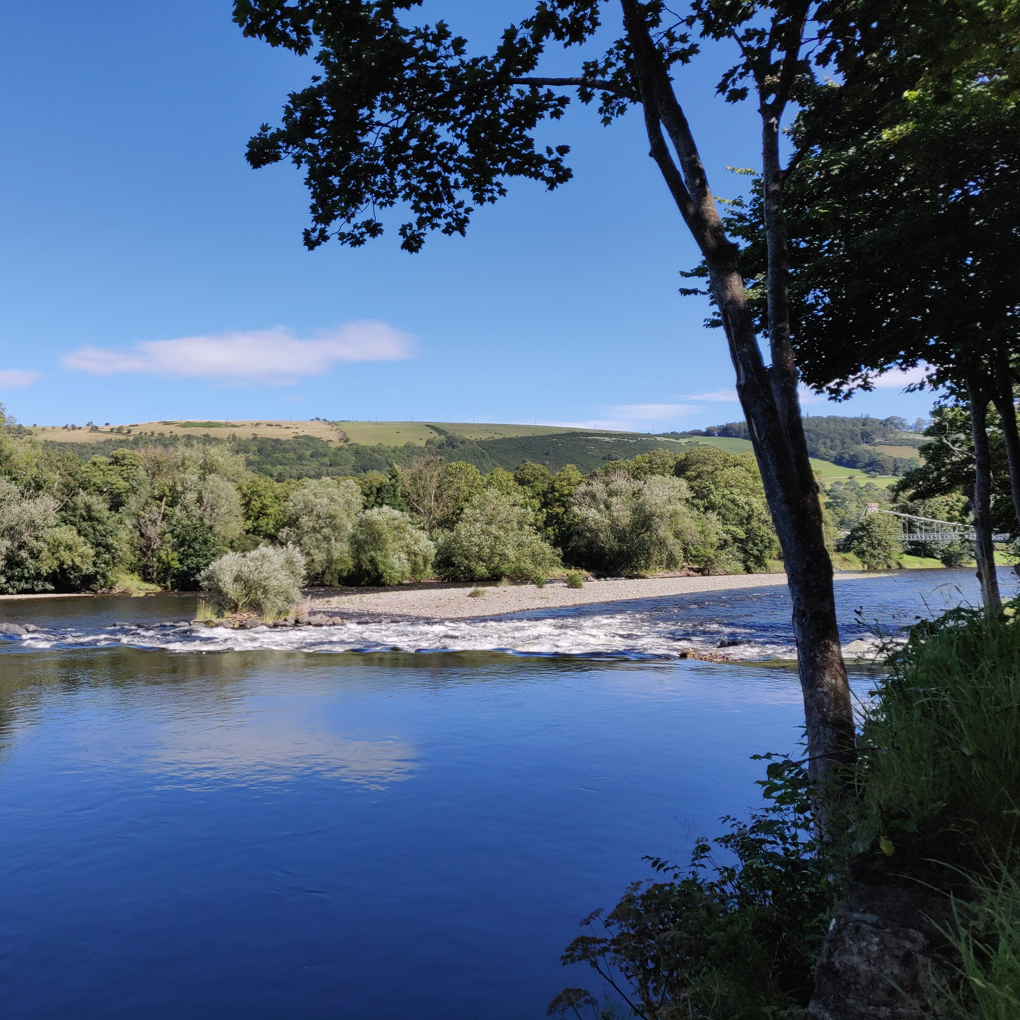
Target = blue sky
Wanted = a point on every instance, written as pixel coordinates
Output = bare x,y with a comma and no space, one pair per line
146,272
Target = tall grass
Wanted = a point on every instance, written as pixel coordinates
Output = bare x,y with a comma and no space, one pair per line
942,748
942,783
987,937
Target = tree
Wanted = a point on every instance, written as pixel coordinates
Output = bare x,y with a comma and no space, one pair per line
387,548
875,541
320,516
728,486
402,115
625,525
262,503
495,538
436,491
905,220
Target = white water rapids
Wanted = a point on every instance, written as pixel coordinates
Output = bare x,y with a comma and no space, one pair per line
743,625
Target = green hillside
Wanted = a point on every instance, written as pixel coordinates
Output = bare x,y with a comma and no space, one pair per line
318,448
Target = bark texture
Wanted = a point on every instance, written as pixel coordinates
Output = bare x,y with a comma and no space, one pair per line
984,549
1002,396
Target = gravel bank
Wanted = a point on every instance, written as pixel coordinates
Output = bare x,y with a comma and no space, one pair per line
449,602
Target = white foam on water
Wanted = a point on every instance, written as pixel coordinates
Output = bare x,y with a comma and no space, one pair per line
631,634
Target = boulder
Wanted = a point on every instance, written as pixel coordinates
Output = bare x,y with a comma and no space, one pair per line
12,629
884,955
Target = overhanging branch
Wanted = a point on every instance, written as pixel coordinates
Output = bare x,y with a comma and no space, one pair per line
585,83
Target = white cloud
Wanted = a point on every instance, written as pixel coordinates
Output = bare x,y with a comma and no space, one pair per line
266,356
898,378
651,412
716,397
808,396
15,378
631,417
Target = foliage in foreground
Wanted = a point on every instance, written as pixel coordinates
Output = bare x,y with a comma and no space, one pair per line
720,940
941,748
265,581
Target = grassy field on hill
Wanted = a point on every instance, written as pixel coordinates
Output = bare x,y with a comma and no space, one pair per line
264,428
830,472
295,449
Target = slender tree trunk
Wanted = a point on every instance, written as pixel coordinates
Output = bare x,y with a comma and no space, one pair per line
1002,397
984,549
768,397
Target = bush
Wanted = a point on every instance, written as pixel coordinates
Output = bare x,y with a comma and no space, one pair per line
265,581
320,514
731,942
875,541
624,525
575,579
387,548
24,524
495,538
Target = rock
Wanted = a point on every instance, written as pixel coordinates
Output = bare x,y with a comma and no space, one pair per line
303,620
703,655
318,621
30,628
884,951
249,624
338,621
12,629
728,644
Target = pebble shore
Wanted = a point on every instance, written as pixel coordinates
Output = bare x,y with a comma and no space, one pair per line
448,602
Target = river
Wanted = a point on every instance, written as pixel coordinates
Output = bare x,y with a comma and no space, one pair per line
378,821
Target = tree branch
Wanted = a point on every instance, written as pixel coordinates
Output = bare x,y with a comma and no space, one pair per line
585,83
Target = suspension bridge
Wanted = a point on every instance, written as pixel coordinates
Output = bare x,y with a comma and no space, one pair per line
916,530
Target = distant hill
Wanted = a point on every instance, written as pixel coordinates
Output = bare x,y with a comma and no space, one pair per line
881,446
317,448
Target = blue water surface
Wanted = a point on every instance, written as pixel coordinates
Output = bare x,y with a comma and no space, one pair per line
264,834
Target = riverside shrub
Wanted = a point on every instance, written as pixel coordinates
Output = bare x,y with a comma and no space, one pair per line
627,525
265,581
495,538
875,541
320,516
387,548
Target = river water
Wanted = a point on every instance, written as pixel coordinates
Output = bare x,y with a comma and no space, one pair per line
378,821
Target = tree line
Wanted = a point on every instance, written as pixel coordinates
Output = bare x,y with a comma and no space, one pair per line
164,513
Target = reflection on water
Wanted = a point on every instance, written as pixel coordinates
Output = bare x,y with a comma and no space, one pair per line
267,833
275,750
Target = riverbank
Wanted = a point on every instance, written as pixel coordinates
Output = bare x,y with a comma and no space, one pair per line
456,602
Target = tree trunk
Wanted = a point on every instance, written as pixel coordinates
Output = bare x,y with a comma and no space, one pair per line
1002,397
768,397
984,549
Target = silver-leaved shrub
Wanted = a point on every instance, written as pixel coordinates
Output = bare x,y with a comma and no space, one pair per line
266,581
